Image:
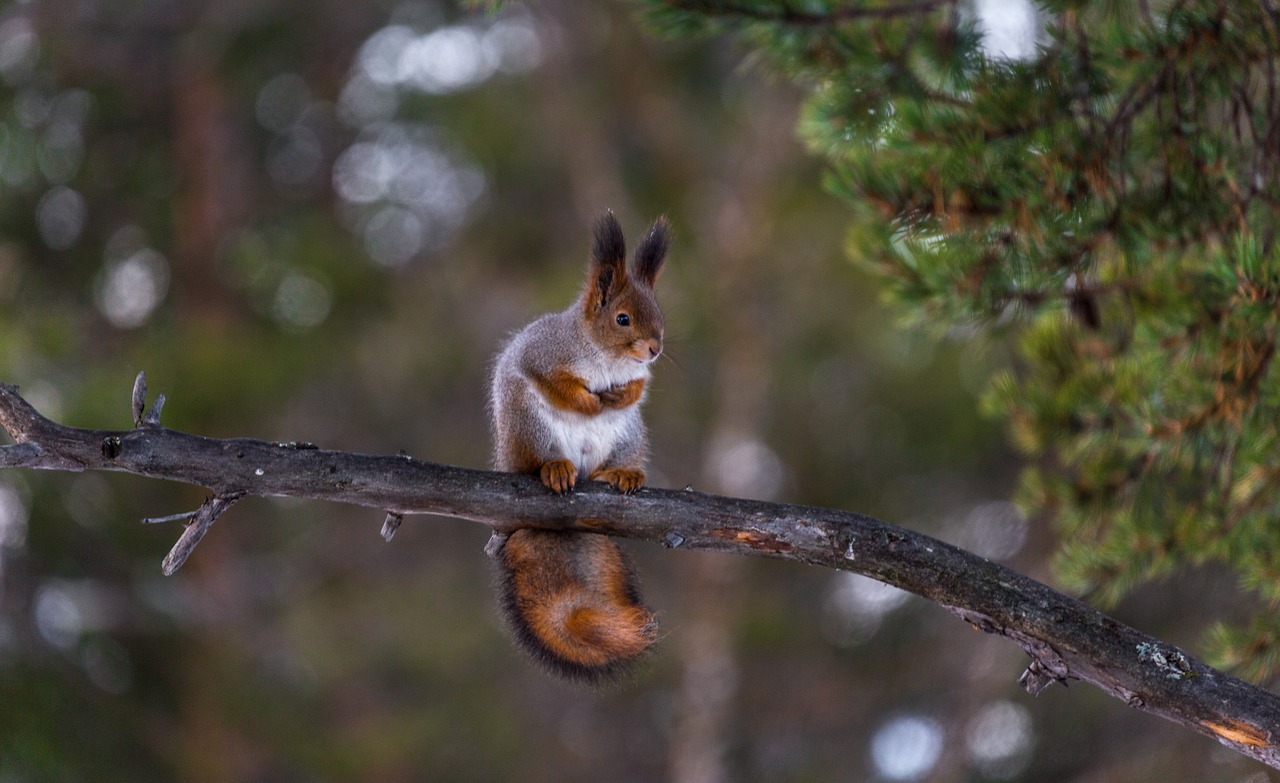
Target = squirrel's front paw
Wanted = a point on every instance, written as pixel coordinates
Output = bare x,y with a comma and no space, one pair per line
623,396
559,475
625,480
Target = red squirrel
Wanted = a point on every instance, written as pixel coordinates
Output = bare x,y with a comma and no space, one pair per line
565,403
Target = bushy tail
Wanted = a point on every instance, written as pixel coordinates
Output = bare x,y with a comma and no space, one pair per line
573,602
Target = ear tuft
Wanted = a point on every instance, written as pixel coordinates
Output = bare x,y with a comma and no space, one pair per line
607,272
602,287
609,246
652,252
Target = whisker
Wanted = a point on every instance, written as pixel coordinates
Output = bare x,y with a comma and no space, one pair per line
666,354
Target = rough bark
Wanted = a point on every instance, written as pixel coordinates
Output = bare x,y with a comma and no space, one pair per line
1065,638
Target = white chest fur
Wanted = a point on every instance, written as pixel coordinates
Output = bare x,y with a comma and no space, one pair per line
588,441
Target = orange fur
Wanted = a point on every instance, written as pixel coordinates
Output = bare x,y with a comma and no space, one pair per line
565,390
573,601
521,457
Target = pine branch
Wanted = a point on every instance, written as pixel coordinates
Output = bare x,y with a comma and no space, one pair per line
785,14
1065,638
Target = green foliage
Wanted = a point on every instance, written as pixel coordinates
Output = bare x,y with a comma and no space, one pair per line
1112,199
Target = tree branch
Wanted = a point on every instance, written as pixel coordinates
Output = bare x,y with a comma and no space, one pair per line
788,15
1066,638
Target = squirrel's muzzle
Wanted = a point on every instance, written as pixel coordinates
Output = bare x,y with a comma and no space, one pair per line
651,348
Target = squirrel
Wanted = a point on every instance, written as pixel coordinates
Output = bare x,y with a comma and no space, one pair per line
565,402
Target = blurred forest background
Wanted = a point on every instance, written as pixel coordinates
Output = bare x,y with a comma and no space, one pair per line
316,221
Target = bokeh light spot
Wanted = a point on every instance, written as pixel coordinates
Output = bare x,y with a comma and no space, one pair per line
443,61
19,49
906,748
128,291
995,530
1008,28
60,217
107,665
393,236
301,301
13,517
57,617
856,607
746,467
61,151
999,740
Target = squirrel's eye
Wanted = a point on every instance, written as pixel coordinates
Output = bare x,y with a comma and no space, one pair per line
623,319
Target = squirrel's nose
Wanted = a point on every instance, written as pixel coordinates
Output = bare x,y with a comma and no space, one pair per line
655,348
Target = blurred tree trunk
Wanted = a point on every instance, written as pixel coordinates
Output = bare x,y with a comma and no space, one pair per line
735,235
594,167
212,185
211,195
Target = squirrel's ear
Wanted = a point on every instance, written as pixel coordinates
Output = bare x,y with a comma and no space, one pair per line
609,246
608,268
652,252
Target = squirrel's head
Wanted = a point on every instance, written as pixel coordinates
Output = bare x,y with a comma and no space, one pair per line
619,306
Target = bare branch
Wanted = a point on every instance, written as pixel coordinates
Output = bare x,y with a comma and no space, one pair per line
390,525
1065,638
139,400
201,521
184,517
20,455
141,416
788,15
152,417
